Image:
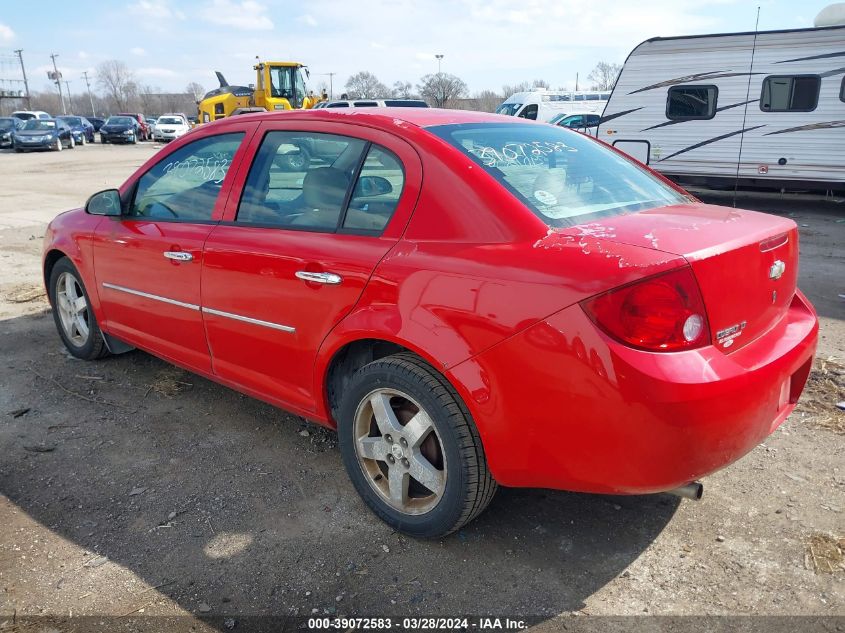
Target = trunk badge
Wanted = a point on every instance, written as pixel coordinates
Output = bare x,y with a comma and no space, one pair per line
777,270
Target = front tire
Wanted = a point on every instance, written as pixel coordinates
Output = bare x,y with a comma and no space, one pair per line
72,143
72,313
58,147
411,449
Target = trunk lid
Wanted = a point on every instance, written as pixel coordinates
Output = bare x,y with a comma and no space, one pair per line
745,262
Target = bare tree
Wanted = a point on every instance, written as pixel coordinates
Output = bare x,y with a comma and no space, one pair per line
365,85
115,78
440,88
525,86
195,90
402,90
604,75
487,101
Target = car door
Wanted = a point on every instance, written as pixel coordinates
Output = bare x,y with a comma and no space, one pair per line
296,249
148,261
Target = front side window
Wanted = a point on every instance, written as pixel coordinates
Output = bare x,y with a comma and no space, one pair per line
184,185
338,104
790,93
564,178
530,112
684,103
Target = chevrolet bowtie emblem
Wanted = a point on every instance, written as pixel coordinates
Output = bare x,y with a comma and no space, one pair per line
777,270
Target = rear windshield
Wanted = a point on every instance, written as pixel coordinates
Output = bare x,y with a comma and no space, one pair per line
564,177
170,120
39,124
120,120
71,120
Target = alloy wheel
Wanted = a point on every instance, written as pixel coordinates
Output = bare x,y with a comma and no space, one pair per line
74,313
399,451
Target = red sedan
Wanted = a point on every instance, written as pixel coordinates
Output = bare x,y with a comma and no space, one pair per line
469,299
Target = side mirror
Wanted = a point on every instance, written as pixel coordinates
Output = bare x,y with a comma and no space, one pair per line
374,186
105,203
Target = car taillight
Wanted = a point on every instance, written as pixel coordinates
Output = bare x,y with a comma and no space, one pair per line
664,313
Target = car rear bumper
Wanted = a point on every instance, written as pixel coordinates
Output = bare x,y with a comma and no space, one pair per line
563,406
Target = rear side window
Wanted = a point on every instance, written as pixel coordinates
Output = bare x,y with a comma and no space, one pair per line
300,180
684,103
563,177
402,103
184,185
376,193
790,93
366,104
339,104
842,90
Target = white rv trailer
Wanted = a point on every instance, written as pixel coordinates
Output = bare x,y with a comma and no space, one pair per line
546,105
685,105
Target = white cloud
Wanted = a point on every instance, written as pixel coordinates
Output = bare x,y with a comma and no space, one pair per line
140,52
308,19
6,33
247,15
82,55
155,10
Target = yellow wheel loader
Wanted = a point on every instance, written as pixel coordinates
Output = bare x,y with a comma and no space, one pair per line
278,86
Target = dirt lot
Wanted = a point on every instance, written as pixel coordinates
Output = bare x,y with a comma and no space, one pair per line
128,487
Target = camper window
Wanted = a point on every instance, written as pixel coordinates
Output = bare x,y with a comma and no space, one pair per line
790,93
685,103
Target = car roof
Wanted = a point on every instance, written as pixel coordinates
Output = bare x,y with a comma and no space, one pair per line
386,118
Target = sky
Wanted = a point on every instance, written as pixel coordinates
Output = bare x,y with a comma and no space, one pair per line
487,43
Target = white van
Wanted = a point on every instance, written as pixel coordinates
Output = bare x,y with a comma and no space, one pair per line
549,105
26,115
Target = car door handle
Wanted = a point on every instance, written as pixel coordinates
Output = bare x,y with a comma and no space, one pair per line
179,256
331,279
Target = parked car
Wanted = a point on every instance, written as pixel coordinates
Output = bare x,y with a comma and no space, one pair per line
48,134
150,121
97,122
83,131
468,300
585,123
8,126
169,127
26,115
144,132
374,103
120,129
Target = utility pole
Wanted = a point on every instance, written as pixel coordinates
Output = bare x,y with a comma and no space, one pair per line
69,100
59,82
576,82
90,97
25,82
331,85
439,59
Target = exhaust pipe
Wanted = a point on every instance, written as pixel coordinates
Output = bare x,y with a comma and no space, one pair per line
693,490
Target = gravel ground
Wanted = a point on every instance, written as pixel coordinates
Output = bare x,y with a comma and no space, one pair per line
131,488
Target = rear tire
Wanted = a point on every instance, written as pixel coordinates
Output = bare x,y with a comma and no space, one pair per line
411,449
72,313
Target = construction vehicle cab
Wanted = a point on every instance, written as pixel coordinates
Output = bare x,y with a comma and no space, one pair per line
278,86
